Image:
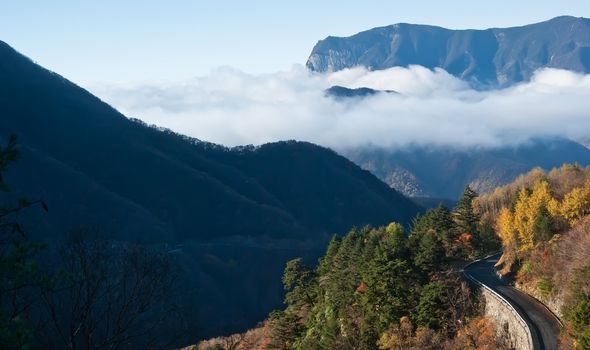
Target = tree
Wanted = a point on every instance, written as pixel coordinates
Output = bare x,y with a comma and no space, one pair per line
390,289
107,295
286,328
488,239
325,262
543,225
299,282
439,222
432,307
479,334
585,339
430,257
466,220
506,229
397,336
533,215
466,223
19,276
576,204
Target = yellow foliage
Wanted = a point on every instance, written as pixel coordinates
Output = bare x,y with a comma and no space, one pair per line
505,225
519,228
393,228
523,220
398,336
542,196
576,204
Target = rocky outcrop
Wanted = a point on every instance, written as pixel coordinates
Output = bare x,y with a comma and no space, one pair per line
492,57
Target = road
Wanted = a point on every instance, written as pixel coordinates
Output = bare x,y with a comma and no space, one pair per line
543,324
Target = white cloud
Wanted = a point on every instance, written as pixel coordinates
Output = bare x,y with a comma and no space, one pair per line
433,108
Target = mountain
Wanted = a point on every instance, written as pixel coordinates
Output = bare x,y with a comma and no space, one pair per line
491,57
232,215
340,92
443,172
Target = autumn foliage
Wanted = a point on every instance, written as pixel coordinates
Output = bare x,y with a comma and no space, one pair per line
543,221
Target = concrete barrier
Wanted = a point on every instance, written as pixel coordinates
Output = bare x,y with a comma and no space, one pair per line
506,316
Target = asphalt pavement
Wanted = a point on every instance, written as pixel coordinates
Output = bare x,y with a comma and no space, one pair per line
544,325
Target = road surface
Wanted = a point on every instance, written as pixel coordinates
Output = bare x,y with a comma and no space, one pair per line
544,326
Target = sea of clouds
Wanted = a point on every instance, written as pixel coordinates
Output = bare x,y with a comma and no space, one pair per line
231,107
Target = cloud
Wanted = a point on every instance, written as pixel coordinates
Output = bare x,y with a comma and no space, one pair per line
231,107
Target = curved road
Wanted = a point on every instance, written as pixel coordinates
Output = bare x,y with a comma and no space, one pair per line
544,326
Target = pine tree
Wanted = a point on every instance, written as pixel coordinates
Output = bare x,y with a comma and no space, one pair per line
286,328
299,283
436,221
465,218
390,288
433,305
325,263
430,257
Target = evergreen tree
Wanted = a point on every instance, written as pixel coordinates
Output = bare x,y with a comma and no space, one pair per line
430,256
432,307
325,262
390,288
439,222
299,282
466,220
542,225
286,328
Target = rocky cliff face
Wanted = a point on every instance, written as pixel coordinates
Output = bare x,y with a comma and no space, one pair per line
491,57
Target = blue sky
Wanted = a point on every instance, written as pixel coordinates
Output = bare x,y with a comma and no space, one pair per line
93,42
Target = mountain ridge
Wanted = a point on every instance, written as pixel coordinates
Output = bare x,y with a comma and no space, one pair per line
98,170
492,57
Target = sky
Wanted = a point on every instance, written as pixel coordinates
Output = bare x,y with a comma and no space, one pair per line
116,41
232,72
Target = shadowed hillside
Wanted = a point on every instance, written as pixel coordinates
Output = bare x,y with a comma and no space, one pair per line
231,216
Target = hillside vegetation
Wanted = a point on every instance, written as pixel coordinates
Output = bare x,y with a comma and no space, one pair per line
231,216
387,288
544,224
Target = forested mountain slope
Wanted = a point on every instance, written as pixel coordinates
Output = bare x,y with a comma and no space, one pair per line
443,172
232,216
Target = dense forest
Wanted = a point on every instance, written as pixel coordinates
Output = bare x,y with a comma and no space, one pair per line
230,216
373,283
86,291
384,287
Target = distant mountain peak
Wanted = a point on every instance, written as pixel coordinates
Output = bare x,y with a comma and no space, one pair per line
492,57
340,92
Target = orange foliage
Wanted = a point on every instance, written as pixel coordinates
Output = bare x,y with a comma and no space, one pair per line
361,288
479,334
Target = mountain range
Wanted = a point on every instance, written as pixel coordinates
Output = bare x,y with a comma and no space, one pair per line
443,172
493,57
232,216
